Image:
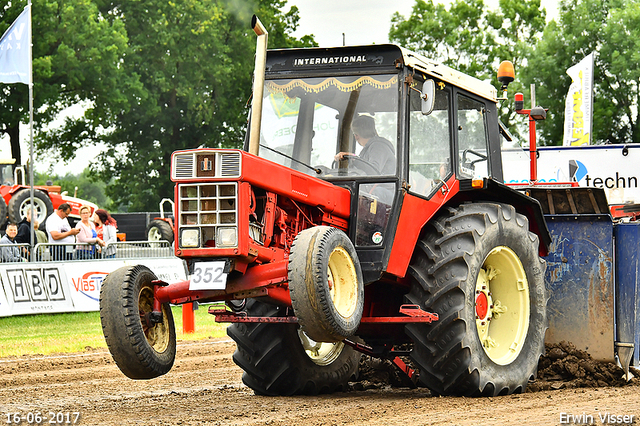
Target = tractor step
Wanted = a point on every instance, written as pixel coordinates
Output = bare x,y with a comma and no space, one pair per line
413,314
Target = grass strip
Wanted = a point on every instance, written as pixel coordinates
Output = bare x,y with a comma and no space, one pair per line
46,334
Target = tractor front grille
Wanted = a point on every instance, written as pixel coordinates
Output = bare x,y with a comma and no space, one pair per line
209,214
205,163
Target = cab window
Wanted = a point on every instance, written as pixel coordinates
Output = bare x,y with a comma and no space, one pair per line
472,139
429,142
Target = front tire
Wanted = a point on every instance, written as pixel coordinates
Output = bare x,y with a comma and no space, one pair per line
141,349
325,283
478,267
278,359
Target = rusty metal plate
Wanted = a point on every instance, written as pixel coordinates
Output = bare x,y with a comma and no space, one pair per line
579,280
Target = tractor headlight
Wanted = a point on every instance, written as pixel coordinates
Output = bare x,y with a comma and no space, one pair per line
190,238
227,237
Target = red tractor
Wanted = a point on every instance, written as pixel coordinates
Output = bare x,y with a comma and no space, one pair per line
321,254
161,228
15,197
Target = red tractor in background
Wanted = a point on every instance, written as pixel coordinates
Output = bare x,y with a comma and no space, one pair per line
161,228
15,197
320,258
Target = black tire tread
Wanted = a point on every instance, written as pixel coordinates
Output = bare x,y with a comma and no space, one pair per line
439,268
309,292
166,232
274,361
122,327
3,212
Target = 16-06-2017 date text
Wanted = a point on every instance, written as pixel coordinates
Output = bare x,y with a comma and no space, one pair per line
42,418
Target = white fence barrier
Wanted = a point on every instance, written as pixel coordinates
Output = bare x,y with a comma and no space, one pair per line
73,286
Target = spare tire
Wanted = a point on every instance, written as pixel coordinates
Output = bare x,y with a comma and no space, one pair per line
325,284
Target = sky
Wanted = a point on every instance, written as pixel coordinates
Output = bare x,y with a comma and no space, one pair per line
361,22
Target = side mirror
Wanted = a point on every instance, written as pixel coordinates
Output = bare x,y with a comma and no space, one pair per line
428,96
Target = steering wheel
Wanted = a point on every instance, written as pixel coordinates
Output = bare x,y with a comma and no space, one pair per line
357,163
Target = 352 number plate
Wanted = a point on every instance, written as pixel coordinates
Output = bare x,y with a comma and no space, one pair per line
208,276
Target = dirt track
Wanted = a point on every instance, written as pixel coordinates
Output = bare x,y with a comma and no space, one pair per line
205,387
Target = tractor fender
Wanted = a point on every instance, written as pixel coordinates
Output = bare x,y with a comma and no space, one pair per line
499,192
417,212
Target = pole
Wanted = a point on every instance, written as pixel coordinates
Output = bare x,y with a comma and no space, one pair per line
31,191
258,84
533,153
188,318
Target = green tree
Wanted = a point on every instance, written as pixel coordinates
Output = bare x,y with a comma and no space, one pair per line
78,185
469,37
76,57
194,59
612,30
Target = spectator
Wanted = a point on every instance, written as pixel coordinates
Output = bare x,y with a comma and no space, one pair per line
109,232
24,229
10,254
61,232
41,238
87,235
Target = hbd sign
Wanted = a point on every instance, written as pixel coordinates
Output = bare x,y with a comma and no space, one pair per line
35,285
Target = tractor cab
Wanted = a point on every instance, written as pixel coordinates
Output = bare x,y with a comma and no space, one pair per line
380,121
7,176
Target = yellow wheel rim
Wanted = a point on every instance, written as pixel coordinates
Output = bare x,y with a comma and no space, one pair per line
502,307
321,353
343,282
157,335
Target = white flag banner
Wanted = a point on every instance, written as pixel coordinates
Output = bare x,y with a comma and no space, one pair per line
15,51
578,112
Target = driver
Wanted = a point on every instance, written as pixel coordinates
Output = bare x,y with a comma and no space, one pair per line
376,150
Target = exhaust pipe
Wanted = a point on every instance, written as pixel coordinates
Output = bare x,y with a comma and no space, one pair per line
258,84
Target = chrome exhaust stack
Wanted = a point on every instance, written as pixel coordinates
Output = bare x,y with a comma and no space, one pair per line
258,84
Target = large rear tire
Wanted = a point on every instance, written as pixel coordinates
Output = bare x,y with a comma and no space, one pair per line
325,283
478,267
159,230
20,204
3,212
278,359
141,348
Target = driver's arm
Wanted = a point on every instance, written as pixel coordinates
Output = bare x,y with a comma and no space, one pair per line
340,156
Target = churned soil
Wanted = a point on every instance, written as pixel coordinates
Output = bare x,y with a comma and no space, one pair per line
205,388
564,366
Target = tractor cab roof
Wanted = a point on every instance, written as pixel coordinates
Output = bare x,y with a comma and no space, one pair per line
367,59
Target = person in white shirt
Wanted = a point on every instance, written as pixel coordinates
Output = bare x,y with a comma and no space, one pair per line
61,232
